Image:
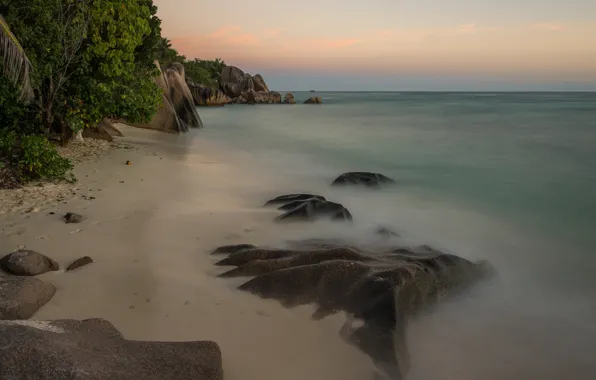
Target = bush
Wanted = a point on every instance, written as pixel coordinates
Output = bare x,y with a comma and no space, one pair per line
39,159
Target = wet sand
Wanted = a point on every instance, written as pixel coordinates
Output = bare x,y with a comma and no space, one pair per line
149,228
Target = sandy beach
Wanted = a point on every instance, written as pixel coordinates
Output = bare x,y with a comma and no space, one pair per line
149,227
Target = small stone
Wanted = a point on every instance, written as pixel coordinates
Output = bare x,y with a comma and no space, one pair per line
121,181
85,260
131,307
187,303
71,217
52,213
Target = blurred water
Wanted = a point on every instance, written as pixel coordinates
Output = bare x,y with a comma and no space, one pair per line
505,176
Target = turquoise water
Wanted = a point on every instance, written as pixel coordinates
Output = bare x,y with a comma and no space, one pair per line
530,157
510,177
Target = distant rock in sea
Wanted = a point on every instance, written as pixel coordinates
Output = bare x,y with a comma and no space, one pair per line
314,100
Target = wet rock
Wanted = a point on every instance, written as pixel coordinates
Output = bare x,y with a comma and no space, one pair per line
21,297
26,262
306,207
94,349
283,199
85,260
374,180
383,290
233,248
313,209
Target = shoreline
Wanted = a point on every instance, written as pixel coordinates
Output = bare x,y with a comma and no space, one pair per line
149,229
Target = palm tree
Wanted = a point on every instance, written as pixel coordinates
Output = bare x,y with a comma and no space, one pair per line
15,64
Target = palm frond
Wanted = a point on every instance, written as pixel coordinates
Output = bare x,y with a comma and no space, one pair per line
15,64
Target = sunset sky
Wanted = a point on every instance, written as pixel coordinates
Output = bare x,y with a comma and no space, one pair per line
394,44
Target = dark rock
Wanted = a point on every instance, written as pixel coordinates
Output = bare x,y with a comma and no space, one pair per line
21,297
71,217
227,249
383,291
312,209
314,100
25,262
94,349
374,180
293,197
85,260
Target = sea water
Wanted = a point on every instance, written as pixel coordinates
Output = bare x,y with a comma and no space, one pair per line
508,177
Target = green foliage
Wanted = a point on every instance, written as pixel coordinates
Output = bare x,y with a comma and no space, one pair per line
40,160
205,72
12,109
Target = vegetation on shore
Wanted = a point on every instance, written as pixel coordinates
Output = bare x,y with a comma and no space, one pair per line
66,65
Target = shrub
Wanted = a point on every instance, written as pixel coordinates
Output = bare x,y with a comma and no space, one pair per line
39,159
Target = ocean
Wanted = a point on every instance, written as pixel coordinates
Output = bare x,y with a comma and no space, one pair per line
508,177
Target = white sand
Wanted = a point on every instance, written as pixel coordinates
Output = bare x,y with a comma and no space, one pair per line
153,278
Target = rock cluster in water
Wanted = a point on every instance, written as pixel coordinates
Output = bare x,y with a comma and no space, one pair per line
380,285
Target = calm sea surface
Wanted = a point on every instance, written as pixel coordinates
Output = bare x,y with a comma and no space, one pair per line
506,176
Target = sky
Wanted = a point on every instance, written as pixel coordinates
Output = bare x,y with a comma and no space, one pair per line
394,45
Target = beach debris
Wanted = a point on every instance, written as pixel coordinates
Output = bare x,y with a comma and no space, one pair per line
71,217
21,297
308,207
80,262
372,180
25,262
128,163
381,291
75,231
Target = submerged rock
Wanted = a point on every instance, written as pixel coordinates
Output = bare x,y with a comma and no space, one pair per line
384,291
94,349
374,180
308,207
26,262
21,297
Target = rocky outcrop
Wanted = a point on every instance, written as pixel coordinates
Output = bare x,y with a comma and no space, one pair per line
309,207
94,349
373,180
243,88
259,83
382,291
262,97
289,98
25,262
207,96
177,113
314,100
21,297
